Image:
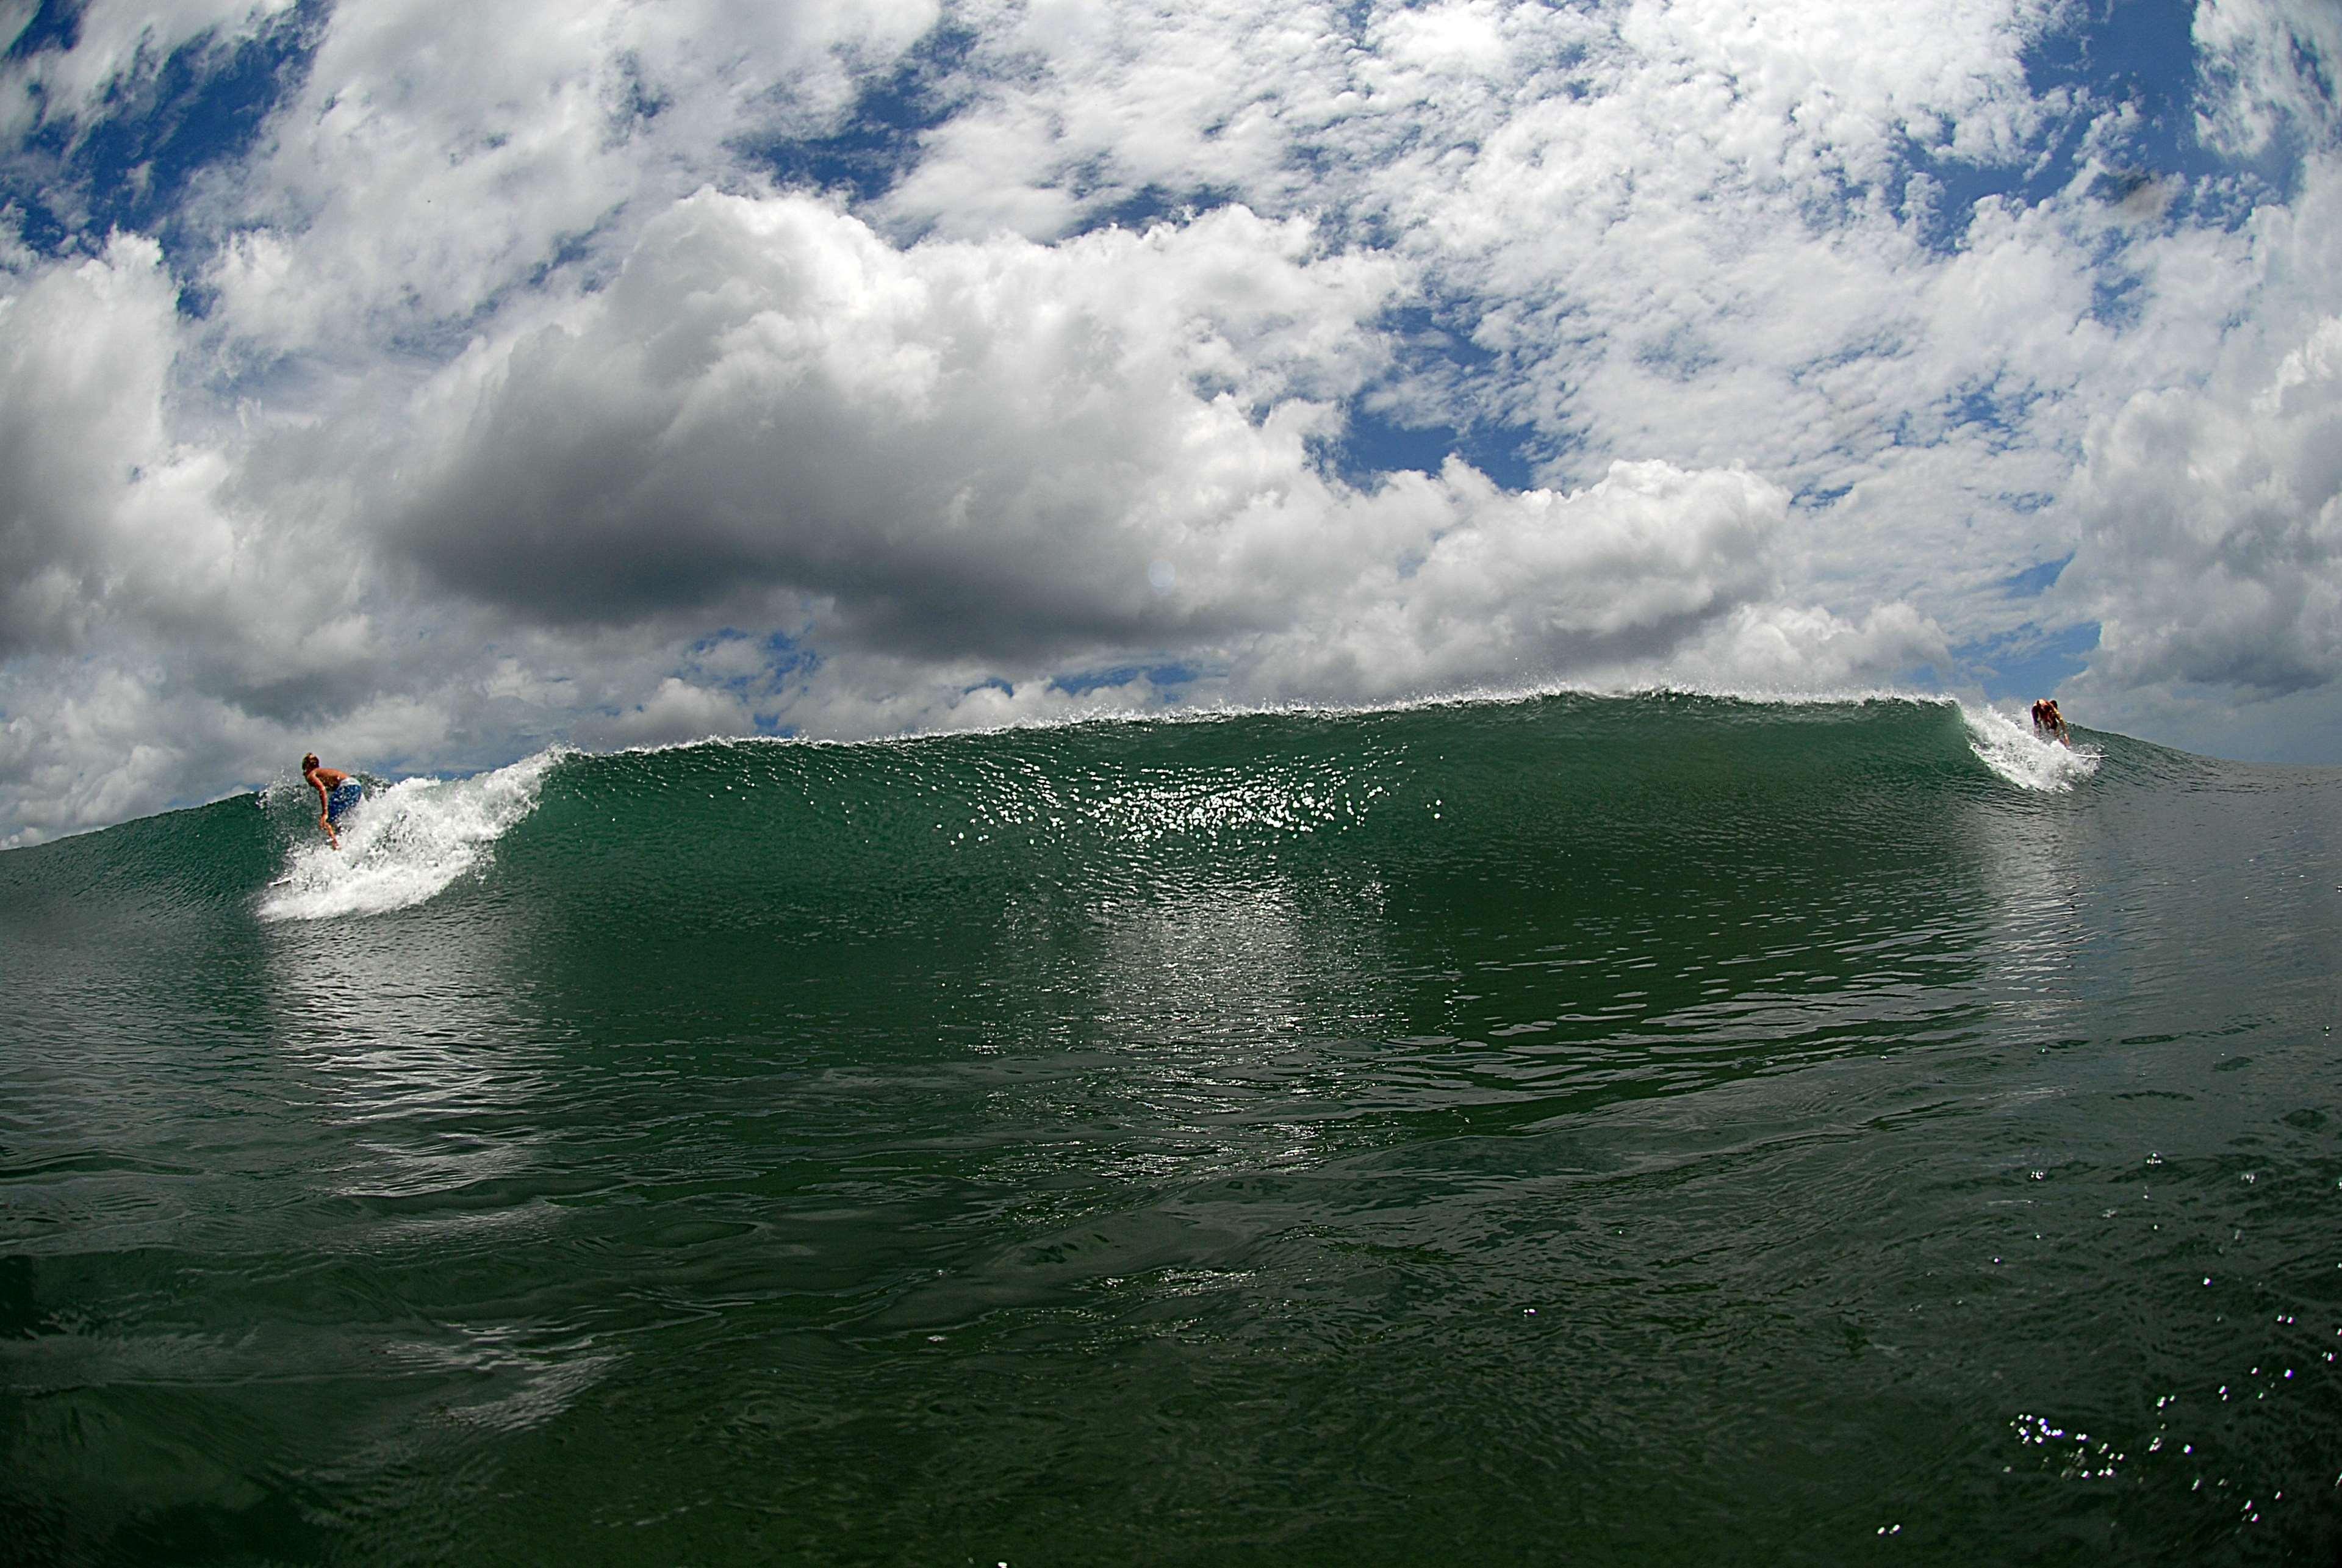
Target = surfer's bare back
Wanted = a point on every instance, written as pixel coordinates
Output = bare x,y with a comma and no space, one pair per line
336,793
2050,724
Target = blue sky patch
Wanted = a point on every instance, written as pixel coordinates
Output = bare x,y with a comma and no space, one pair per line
1163,676
129,168
2035,580
2028,662
877,141
54,24
1383,433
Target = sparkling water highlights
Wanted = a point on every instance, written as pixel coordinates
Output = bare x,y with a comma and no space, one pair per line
1654,1128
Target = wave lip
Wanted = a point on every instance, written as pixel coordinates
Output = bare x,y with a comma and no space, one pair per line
405,844
2010,748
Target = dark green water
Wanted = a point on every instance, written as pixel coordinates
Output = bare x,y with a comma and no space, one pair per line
1663,1129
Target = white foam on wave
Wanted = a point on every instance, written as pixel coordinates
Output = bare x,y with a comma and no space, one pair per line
405,844
2006,744
1216,710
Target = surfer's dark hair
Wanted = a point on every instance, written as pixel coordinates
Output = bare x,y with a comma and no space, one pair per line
308,760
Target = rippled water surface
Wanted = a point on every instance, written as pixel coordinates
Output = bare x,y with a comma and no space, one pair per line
1651,1130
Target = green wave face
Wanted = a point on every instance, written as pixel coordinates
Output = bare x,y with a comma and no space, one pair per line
1691,1129
728,833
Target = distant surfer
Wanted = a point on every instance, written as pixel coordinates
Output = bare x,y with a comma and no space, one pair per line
2050,724
336,793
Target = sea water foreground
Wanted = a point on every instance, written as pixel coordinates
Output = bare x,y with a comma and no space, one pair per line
1575,1130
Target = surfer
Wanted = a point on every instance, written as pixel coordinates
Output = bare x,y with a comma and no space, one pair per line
336,793
2049,723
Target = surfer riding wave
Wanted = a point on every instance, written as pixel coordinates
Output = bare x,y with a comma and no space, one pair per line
336,793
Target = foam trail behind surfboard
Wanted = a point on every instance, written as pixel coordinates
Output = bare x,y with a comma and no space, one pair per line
402,845
2010,748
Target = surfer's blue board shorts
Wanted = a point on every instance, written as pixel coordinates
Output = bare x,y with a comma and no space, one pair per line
345,795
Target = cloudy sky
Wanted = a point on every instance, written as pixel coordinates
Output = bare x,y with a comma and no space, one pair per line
420,382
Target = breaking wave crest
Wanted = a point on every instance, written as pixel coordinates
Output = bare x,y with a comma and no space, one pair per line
406,843
2008,746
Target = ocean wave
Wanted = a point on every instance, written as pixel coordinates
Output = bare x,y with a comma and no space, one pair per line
1055,805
